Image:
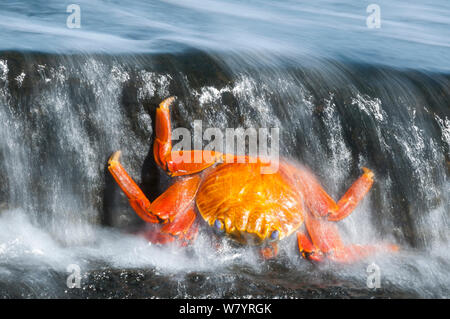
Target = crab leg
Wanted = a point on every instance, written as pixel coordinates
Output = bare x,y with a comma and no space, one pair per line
307,248
174,208
162,146
320,221
182,222
324,234
138,201
353,253
320,203
176,199
325,239
353,196
316,198
177,163
183,228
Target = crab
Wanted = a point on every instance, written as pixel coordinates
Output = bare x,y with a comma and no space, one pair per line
235,198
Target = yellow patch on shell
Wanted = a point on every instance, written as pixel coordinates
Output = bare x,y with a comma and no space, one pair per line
249,204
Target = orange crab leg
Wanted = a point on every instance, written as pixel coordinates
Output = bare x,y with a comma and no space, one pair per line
182,222
177,163
162,146
353,253
320,203
176,198
307,248
174,207
183,228
353,196
190,235
185,162
325,236
315,197
138,200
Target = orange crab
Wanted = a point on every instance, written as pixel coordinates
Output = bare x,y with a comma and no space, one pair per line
239,200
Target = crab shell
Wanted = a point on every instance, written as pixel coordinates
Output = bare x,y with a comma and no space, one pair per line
249,205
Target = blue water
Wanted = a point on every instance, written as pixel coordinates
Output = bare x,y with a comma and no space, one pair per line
412,34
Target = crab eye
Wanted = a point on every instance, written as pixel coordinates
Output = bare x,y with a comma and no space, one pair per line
218,225
275,234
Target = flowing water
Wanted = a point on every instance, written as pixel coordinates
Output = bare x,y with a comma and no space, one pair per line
344,96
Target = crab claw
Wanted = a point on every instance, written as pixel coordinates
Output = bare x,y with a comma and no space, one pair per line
177,163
